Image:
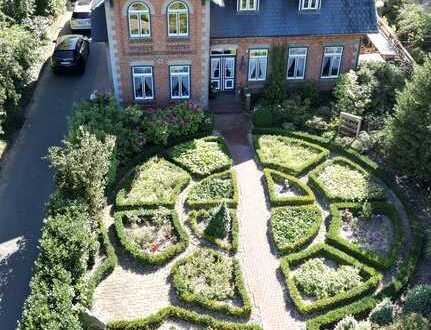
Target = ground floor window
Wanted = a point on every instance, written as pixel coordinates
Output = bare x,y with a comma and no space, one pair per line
331,62
296,63
257,64
143,82
180,81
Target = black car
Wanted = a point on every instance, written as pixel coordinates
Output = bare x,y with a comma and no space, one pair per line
70,54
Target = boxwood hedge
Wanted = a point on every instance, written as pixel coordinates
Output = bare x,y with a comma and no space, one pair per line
366,256
148,258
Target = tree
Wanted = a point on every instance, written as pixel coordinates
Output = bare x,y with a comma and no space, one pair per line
220,222
50,7
408,132
17,9
275,91
84,167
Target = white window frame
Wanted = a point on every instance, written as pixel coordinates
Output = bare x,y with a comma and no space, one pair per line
180,74
332,52
296,56
308,4
248,6
139,13
177,13
257,57
143,76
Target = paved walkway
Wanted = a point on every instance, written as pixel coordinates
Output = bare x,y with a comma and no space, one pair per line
27,181
259,263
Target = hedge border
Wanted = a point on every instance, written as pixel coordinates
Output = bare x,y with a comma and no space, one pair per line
306,238
316,183
297,170
155,320
200,175
339,299
148,258
276,200
209,203
212,305
382,262
401,281
105,268
230,247
121,202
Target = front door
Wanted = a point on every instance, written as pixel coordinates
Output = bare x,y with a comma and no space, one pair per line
223,73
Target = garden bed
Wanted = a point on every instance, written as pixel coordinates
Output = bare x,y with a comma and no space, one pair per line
302,278
213,191
155,183
287,190
202,157
213,281
200,220
288,155
374,238
151,236
342,180
294,226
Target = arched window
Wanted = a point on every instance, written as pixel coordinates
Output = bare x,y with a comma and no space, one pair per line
139,20
178,19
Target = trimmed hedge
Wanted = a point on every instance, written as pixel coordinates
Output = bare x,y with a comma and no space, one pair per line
216,306
276,200
298,169
200,172
149,258
407,267
231,246
326,251
105,268
315,182
304,238
209,203
154,321
122,201
356,251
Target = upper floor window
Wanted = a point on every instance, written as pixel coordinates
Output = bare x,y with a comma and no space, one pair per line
247,5
257,64
296,63
139,20
178,19
309,4
331,62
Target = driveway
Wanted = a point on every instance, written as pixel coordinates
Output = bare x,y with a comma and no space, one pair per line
27,181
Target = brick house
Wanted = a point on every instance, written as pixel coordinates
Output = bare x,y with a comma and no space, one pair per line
162,51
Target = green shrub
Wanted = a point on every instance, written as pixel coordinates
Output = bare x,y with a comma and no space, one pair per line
202,157
155,183
220,223
383,313
17,9
262,116
50,7
414,30
213,190
84,167
209,279
288,155
409,322
349,323
294,226
408,133
295,109
162,125
418,300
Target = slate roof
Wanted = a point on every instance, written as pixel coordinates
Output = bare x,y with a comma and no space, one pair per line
282,18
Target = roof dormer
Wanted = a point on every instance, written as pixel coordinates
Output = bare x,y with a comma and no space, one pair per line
248,5
306,5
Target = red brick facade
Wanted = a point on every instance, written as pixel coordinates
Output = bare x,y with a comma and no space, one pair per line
160,52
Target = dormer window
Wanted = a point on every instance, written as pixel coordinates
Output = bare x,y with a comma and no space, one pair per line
309,4
248,5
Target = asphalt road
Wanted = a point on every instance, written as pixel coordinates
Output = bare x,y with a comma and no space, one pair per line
27,181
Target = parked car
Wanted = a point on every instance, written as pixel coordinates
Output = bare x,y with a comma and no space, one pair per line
81,16
71,53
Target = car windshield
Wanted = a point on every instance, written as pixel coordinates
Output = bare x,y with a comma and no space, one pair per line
63,54
78,15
